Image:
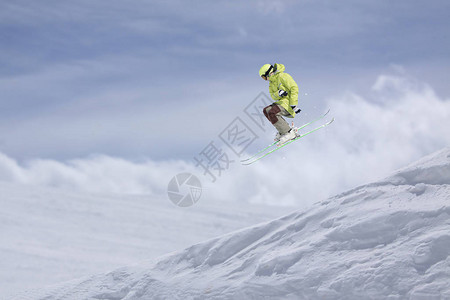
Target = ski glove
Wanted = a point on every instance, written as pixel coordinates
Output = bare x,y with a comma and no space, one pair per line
295,109
282,93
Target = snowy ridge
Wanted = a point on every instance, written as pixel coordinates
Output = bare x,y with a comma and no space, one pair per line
385,240
432,169
50,235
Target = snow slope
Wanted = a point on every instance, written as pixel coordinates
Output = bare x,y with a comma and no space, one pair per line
385,240
52,235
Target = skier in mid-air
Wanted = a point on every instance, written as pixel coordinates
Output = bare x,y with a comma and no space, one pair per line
284,91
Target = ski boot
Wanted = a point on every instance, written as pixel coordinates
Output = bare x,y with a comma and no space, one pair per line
290,135
277,137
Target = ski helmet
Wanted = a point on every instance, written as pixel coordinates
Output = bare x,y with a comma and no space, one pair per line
265,70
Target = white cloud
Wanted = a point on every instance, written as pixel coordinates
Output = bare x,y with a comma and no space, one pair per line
399,121
177,59
94,174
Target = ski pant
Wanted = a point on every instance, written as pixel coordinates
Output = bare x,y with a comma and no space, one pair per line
274,113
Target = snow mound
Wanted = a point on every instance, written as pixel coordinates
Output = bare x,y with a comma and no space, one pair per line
52,235
385,240
432,169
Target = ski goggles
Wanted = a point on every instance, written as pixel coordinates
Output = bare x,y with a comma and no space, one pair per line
265,75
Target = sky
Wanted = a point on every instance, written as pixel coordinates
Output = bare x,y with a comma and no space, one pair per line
101,87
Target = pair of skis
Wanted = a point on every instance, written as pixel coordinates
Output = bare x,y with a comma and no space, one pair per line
274,147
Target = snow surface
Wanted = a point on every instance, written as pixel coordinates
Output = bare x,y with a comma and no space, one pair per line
53,235
385,240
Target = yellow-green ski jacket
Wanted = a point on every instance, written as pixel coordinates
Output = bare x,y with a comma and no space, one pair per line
283,81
